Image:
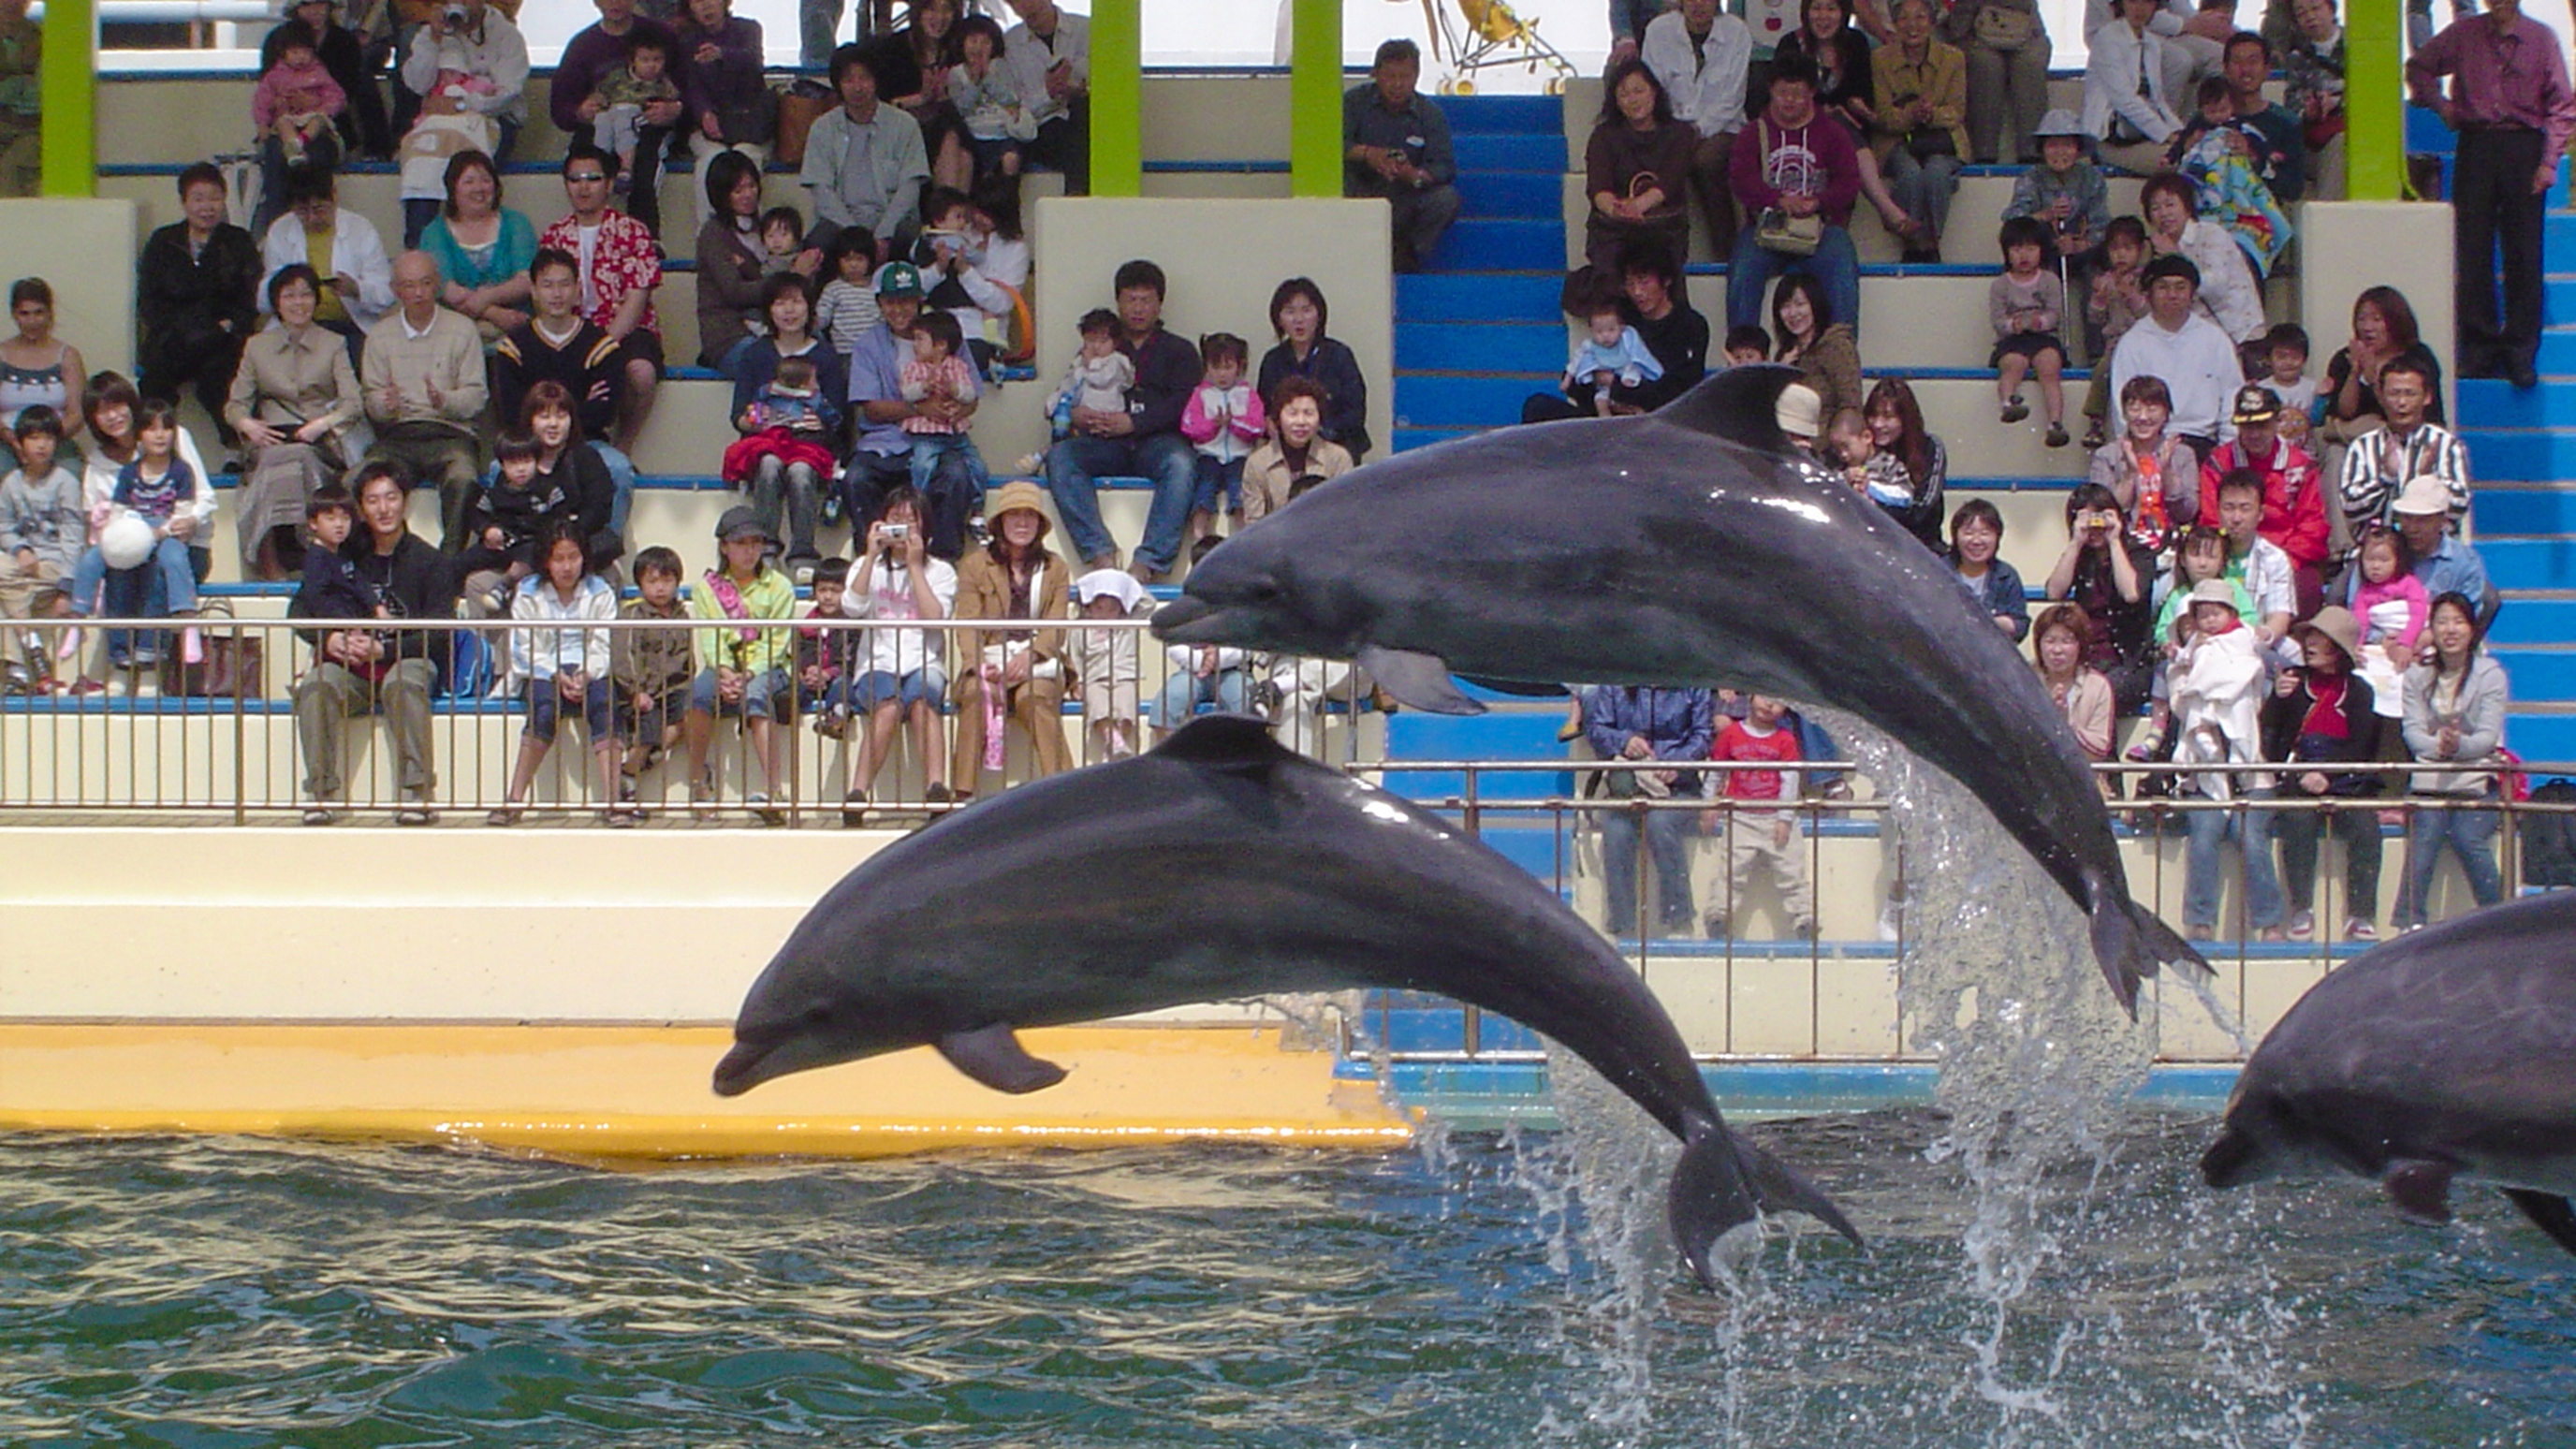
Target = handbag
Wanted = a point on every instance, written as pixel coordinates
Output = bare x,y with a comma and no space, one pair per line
2005,28
229,666
751,123
1790,236
1931,141
799,107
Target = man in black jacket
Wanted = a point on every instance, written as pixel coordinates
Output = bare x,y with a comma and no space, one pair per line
197,291
1671,329
1144,440
377,671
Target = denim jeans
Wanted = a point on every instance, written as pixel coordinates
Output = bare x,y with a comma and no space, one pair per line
1923,188
621,477
168,565
1166,458
1183,693
788,494
1668,842
1815,744
931,450
1750,272
2471,835
2200,883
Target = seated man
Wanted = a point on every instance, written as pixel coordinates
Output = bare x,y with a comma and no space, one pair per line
1635,723
388,671
559,345
1146,439
865,164
424,381
2404,447
1673,332
620,265
1800,164
1049,57
1395,144
881,462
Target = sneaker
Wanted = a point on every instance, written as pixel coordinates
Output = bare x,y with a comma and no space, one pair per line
2149,744
505,816
2303,925
2015,410
1888,923
2056,437
937,794
767,814
2358,929
19,680
415,812
320,814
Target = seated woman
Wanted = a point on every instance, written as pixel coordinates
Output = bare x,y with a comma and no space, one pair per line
788,488
2102,569
2064,635
1015,673
570,481
2229,294
482,247
2383,329
1911,491
2455,706
1976,540
1635,170
1816,342
732,263
114,412
294,401
35,365
1919,87
956,244
1297,314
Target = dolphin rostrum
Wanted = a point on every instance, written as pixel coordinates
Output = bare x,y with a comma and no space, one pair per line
2449,1052
1220,866
1682,547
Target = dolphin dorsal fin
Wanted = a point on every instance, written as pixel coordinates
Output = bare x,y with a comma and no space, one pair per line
1223,740
1740,405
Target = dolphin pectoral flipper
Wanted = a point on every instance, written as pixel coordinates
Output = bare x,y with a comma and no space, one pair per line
994,1057
2421,1189
2549,1212
1417,680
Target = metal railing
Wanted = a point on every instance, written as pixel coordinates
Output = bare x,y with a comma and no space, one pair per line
226,739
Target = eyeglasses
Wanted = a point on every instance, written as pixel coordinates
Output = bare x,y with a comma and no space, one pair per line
587,178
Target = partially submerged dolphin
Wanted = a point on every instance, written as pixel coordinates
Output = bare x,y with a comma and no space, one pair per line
1683,547
2449,1052
1219,866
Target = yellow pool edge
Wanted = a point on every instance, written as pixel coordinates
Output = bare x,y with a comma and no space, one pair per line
640,1093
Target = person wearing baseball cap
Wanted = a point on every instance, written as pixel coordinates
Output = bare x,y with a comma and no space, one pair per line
2321,717
2444,562
2294,502
881,461
2178,344
742,671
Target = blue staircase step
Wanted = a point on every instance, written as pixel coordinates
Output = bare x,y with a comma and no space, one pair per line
2562,233
2540,673
1539,849
1543,155
2541,737
2523,456
1449,297
1524,195
1408,439
1501,734
2491,402
2520,510
2534,621
2425,133
1525,113
1490,244
1465,402
2529,563
1479,347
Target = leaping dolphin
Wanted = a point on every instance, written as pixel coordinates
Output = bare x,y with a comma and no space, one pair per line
1220,866
1682,547
2448,1052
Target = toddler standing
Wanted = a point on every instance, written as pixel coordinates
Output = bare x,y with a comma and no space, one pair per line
847,309
1224,422
1761,839
1104,660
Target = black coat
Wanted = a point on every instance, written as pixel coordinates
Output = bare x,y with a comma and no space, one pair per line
1332,367
2284,740
185,302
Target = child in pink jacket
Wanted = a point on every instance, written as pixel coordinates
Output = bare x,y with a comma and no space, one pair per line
296,102
1224,421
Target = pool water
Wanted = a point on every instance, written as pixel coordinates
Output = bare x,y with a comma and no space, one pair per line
224,1292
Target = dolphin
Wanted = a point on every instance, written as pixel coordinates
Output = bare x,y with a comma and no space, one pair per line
1681,547
2448,1052
1217,866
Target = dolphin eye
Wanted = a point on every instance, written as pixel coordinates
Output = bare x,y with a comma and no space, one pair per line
818,1013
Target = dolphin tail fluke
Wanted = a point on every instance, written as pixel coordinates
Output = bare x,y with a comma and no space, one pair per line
1725,1181
2549,1212
2129,942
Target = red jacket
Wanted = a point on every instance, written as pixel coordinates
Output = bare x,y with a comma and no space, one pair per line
2294,508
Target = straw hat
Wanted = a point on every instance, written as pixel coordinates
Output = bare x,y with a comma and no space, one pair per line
2426,494
2335,622
1020,494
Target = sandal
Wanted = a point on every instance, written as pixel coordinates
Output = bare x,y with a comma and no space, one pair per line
506,815
854,809
621,817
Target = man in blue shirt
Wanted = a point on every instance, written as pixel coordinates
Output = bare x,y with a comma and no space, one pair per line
1635,723
1395,144
882,457
2443,562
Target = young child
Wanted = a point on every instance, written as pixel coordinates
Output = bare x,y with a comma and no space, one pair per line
789,419
43,529
1224,422
154,488
936,370
2392,606
1759,838
847,309
503,515
2318,717
782,239
1098,377
2202,558
2217,678
2066,195
1104,660
332,588
896,583
2201,145
826,659
1747,346
1610,354
297,101
2118,299
742,669
624,92
652,668
2025,304
2285,376
564,668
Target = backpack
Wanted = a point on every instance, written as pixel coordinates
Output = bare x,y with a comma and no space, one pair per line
2549,838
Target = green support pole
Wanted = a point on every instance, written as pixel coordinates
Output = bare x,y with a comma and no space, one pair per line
67,89
2375,101
1315,99
1117,98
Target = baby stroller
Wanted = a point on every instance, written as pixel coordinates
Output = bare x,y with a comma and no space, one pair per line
1481,34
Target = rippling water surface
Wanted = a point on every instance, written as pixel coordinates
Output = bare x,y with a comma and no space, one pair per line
236,1293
